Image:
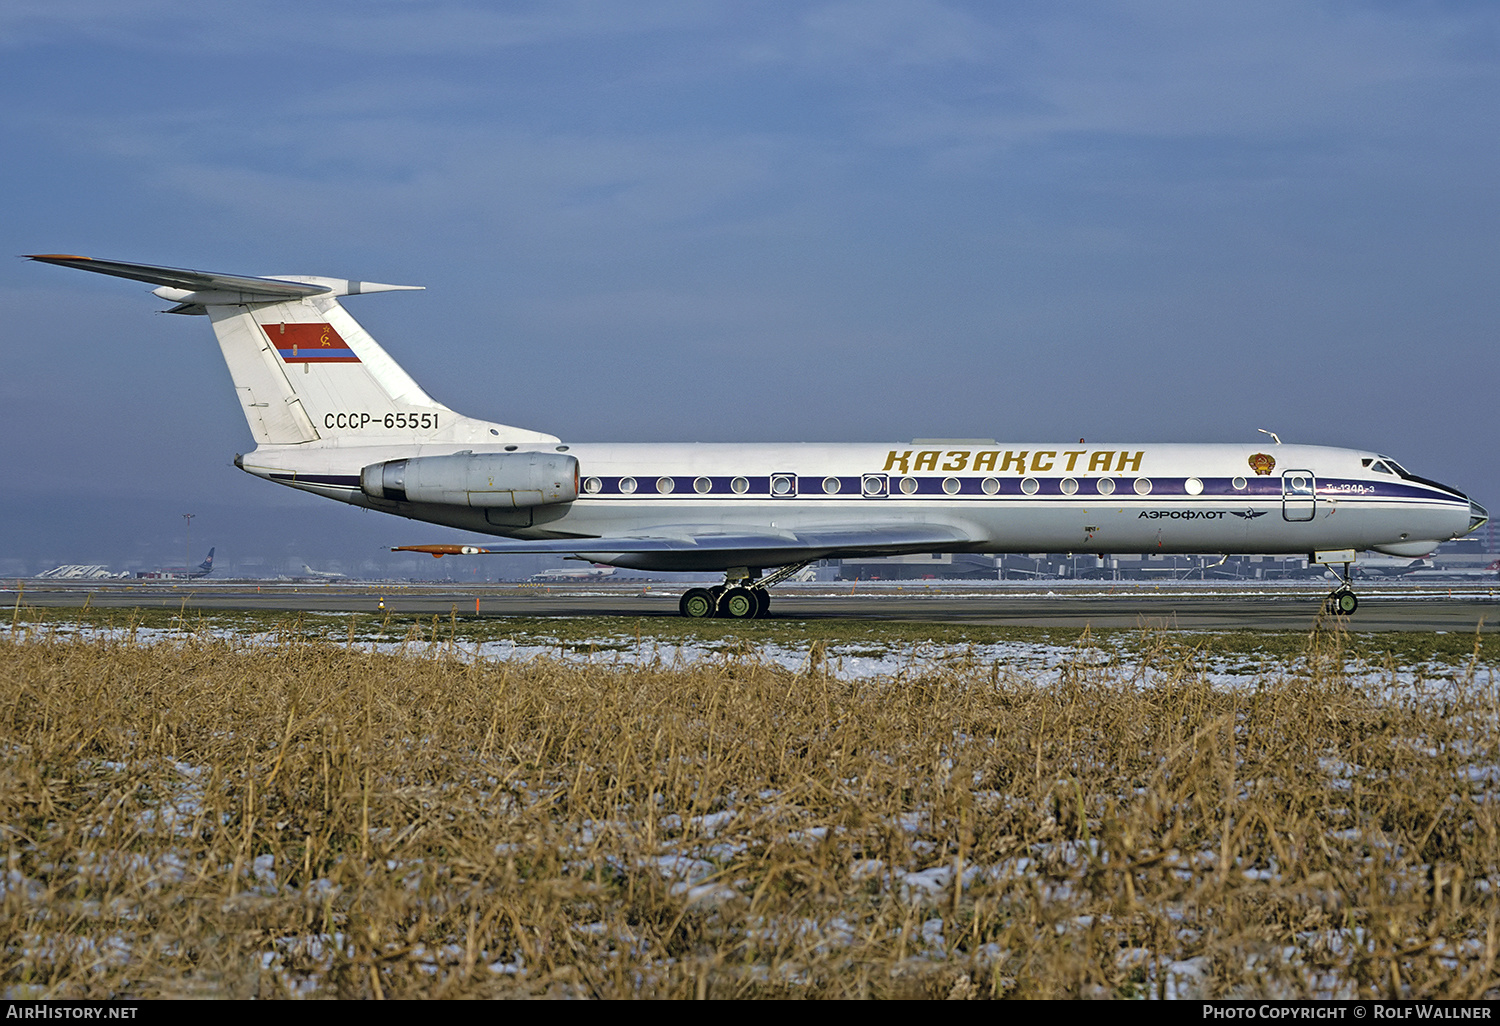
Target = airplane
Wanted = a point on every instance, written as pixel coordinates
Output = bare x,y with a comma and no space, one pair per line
333,414
1454,572
203,569
586,574
1378,566
324,575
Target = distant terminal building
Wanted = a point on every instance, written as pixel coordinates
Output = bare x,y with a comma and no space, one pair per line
923,566
78,571
1060,565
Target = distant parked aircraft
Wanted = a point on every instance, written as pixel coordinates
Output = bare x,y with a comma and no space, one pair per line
1388,566
1454,572
326,575
590,574
203,569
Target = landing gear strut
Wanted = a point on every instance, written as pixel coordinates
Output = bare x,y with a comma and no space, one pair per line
740,597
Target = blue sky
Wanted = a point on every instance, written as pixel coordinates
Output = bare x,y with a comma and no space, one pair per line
1147,221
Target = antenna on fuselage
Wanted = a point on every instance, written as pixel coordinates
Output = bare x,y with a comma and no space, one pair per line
1273,435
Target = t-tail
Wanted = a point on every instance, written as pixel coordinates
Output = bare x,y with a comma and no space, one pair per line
305,372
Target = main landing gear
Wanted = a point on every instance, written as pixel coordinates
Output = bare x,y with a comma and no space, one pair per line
1342,601
740,597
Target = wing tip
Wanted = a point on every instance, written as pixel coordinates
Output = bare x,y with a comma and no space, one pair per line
53,257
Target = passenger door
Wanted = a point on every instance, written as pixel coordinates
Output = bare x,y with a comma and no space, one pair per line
1299,498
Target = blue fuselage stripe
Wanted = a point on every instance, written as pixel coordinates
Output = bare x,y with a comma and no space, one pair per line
878,486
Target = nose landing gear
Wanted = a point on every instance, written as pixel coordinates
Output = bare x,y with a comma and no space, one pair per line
740,597
1342,601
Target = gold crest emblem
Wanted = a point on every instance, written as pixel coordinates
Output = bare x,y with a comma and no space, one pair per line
1262,463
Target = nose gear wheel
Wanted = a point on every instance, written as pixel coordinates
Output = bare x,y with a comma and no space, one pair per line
1343,602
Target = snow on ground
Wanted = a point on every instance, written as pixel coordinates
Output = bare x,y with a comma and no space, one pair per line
690,849
1039,662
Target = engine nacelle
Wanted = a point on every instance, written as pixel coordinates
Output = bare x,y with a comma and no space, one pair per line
509,480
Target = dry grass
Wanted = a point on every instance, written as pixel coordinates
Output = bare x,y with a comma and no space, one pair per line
212,819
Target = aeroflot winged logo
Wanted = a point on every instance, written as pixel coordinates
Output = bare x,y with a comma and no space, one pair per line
309,343
1262,463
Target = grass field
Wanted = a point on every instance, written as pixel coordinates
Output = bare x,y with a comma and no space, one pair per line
248,806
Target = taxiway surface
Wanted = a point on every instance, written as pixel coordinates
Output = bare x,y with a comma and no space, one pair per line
1182,606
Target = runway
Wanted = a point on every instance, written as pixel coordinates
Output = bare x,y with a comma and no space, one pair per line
1182,605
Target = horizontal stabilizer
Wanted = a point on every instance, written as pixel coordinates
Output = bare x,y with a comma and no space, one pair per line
196,289
192,281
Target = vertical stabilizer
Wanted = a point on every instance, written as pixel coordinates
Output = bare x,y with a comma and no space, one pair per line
303,369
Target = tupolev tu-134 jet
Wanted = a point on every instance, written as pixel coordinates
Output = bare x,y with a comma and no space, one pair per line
333,414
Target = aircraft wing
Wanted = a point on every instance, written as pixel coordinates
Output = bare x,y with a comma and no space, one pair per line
712,547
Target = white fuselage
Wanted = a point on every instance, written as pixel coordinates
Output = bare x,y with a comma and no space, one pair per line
1006,497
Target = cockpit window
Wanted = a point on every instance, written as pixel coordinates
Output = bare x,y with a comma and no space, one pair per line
1386,465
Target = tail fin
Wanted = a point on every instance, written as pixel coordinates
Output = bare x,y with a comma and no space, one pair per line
207,564
304,370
